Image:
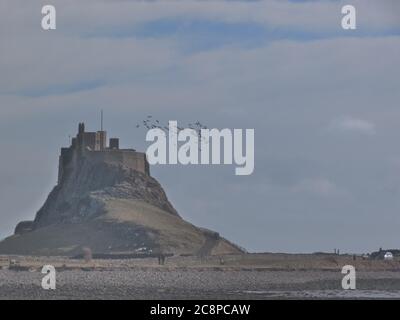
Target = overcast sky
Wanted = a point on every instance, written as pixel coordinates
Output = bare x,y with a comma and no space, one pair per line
324,103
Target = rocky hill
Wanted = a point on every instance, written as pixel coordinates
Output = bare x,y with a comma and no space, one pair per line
111,208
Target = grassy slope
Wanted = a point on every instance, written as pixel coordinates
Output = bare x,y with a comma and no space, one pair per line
103,234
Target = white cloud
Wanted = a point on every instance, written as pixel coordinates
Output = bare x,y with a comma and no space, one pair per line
350,124
95,16
317,75
317,186
284,89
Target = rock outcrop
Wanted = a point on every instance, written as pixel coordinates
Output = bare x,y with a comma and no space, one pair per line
110,207
83,193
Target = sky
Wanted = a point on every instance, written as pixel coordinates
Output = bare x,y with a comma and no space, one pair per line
324,103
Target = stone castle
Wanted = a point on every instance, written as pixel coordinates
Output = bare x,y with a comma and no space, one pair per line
93,147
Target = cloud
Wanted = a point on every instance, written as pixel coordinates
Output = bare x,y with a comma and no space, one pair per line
109,17
317,186
350,124
288,84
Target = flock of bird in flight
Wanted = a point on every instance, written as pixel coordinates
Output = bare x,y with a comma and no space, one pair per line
151,123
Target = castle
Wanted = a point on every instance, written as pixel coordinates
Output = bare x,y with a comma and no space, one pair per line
93,147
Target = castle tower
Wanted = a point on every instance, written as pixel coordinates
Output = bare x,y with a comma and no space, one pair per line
101,136
81,136
81,128
101,140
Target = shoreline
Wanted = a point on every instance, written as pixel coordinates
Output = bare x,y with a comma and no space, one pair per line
266,262
192,285
272,277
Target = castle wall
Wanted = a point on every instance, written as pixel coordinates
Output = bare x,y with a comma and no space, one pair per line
90,140
131,159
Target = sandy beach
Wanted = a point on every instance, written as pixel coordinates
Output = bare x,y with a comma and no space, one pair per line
181,279
137,284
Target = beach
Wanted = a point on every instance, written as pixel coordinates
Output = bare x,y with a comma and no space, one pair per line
144,279
137,284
